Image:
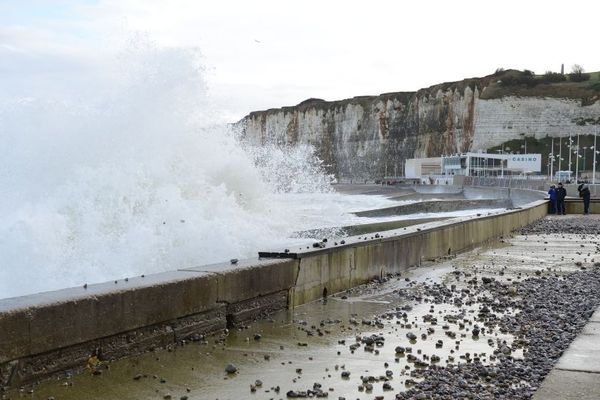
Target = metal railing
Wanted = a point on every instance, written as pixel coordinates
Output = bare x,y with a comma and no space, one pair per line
521,182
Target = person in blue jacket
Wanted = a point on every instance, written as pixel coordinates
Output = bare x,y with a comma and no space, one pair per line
552,196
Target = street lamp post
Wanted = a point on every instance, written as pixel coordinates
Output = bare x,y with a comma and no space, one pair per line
552,159
595,152
577,161
559,152
570,146
576,165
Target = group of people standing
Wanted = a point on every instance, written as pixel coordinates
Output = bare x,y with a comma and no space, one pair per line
558,194
557,199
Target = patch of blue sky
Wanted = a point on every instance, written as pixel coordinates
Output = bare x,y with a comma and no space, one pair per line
59,16
25,12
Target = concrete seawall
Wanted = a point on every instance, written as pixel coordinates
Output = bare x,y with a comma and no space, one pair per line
43,334
337,269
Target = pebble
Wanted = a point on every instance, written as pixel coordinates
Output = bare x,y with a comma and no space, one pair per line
553,310
231,369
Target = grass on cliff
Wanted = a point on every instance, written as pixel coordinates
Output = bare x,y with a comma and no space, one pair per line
489,87
588,91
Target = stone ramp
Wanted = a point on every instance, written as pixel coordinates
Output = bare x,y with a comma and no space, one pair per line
427,196
363,229
373,189
436,207
576,375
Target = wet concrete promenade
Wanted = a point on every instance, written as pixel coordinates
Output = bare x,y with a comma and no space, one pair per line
577,373
486,324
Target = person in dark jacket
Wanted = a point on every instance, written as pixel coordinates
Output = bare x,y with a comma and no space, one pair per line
584,193
552,197
561,193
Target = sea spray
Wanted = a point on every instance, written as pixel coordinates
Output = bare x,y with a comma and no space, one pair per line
131,177
291,168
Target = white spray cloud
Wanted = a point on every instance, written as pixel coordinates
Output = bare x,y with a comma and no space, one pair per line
129,175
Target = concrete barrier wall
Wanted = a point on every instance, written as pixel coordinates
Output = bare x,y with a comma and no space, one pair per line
50,332
338,269
575,206
594,189
39,323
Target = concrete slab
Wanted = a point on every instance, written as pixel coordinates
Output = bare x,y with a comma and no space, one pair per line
251,278
95,290
47,321
569,385
596,316
228,266
582,355
592,328
435,206
14,335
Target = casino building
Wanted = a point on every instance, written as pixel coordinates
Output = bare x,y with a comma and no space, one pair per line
475,164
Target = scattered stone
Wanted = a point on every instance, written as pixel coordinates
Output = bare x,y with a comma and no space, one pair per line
231,369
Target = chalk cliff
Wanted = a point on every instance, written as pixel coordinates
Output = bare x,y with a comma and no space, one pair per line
368,137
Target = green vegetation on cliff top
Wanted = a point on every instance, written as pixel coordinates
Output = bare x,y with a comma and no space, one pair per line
527,84
502,83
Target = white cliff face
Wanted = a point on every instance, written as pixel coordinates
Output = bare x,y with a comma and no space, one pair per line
508,118
446,122
348,138
370,137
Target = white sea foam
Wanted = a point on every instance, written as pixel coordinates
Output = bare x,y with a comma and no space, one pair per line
131,177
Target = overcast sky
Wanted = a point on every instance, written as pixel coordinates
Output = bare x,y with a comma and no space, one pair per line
263,54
